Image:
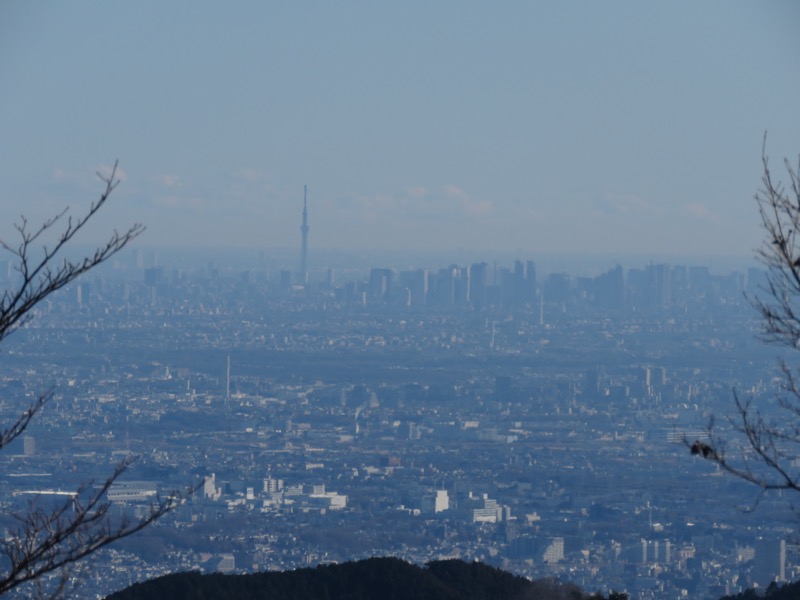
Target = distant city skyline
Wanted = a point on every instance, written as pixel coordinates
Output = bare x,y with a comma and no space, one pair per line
342,260
580,128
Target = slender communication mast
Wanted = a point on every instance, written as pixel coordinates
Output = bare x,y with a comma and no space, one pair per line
304,231
228,381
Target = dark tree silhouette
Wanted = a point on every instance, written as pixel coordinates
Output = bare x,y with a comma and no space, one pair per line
379,577
49,540
766,450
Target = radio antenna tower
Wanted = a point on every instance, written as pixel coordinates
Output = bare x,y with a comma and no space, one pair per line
304,231
228,381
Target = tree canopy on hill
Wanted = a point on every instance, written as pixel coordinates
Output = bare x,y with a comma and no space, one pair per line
371,579
790,591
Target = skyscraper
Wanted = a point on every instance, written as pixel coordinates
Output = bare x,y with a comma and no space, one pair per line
770,562
478,274
304,231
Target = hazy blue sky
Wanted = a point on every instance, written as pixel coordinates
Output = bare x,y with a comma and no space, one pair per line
611,127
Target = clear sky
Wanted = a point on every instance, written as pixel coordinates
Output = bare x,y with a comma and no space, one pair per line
531,127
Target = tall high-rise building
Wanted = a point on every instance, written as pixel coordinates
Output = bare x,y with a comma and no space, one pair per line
416,284
304,231
530,280
609,289
770,562
477,284
432,504
28,445
659,290
210,489
380,283
444,290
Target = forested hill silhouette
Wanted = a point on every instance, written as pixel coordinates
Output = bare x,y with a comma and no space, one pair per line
370,579
789,591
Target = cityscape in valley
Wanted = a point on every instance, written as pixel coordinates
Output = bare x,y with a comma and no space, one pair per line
535,421
531,327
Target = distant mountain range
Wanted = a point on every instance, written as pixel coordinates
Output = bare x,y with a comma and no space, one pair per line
370,579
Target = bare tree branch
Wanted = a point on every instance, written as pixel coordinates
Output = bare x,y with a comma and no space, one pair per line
19,426
768,455
40,277
48,540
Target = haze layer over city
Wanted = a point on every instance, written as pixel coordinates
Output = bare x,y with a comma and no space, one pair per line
430,281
